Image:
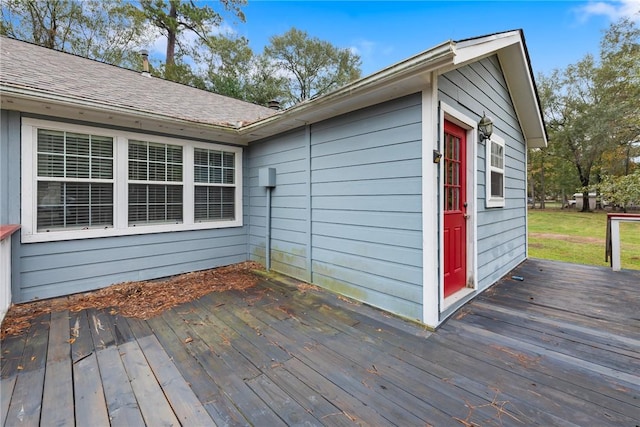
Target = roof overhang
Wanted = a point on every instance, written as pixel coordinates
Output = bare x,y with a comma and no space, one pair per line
404,78
414,75
511,49
28,100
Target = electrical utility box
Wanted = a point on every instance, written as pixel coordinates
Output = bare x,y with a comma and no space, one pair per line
267,177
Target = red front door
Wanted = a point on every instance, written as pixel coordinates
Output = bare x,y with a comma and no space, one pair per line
455,207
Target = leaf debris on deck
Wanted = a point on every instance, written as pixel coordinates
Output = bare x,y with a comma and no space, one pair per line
141,300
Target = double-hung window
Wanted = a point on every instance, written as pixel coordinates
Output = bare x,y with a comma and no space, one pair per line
214,192
155,183
83,182
74,180
495,172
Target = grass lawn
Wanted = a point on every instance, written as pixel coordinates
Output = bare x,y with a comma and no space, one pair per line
570,236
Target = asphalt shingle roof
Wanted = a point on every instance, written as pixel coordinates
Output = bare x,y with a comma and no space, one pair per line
31,67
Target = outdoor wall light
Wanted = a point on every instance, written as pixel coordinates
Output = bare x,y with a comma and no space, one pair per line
485,128
436,156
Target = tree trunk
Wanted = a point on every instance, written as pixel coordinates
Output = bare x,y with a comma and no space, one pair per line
584,180
171,35
533,195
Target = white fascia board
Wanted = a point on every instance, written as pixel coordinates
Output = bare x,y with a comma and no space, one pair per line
523,92
475,49
403,78
510,49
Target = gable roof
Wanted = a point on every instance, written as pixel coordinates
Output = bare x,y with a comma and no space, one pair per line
414,74
38,79
29,71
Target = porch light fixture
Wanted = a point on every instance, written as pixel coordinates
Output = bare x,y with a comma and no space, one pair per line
485,128
437,156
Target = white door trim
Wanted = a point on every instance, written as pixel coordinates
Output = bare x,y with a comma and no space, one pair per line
447,112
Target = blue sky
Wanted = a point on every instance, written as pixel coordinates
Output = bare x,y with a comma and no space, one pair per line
383,33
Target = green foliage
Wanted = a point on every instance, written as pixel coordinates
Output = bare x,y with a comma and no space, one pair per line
293,68
592,114
180,72
174,17
623,190
234,70
106,30
312,66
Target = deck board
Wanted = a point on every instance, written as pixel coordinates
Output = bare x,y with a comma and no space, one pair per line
561,347
57,400
90,404
155,408
215,402
121,400
185,403
26,402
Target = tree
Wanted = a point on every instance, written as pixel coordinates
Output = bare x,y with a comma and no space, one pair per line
235,71
591,108
620,76
312,66
175,17
623,190
265,83
180,72
106,30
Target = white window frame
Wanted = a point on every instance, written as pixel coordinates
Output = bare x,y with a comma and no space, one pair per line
491,200
164,183
29,231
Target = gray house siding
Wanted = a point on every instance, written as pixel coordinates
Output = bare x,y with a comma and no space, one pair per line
501,232
364,226
9,167
49,269
60,268
289,203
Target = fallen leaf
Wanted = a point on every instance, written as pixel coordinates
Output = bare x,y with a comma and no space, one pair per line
141,300
188,340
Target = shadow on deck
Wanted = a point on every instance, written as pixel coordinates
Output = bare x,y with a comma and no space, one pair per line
560,348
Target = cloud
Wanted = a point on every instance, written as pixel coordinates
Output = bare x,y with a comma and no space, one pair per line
614,10
373,54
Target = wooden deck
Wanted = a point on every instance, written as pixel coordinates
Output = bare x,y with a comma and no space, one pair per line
561,347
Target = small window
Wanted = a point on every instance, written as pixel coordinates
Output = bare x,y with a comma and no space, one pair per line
155,183
495,172
214,176
74,180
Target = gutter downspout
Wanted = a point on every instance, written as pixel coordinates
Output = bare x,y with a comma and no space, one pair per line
267,179
268,232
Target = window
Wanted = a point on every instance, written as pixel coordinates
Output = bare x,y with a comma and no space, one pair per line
495,168
214,176
83,182
155,183
74,180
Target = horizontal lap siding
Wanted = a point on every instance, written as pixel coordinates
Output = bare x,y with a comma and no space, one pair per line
50,269
60,268
501,232
367,205
288,154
